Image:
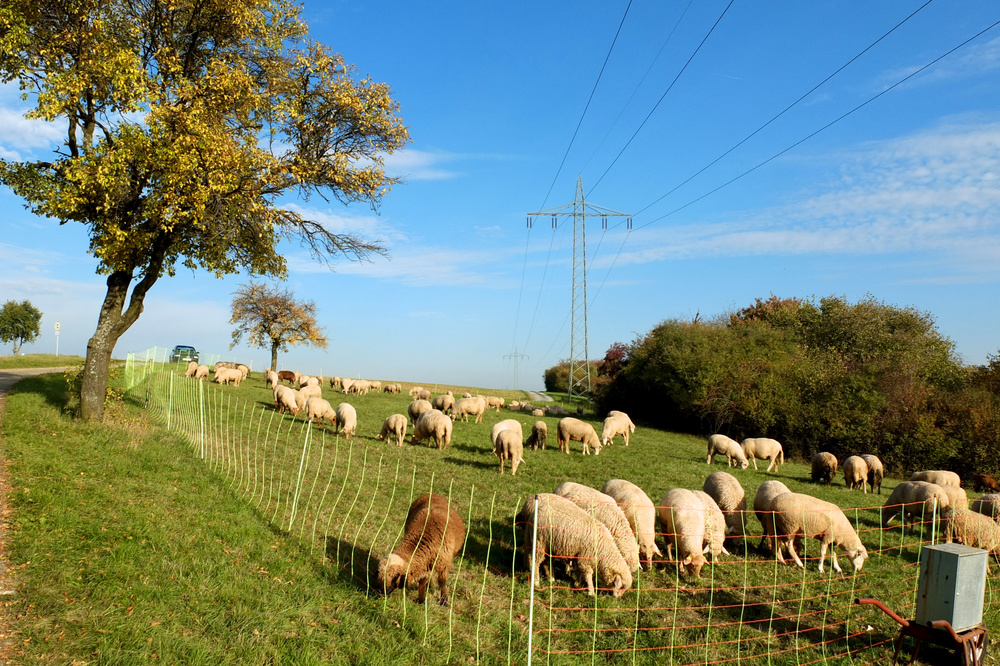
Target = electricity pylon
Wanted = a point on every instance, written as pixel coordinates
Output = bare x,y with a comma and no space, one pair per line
579,354
517,358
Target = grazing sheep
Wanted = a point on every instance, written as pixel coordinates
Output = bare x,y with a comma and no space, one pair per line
394,425
824,467
415,390
466,407
444,403
514,405
303,381
539,433
682,519
346,384
466,395
286,376
855,473
433,535
640,513
957,498
271,379
244,370
617,423
805,516
492,402
286,398
201,372
536,412
762,502
729,495
191,369
347,418
375,385
508,446
570,429
318,408
971,528
227,375
306,392
988,505
729,448
939,476
423,394
715,525
563,530
875,471
334,382
416,408
506,424
763,448
433,424
981,482
915,500
605,509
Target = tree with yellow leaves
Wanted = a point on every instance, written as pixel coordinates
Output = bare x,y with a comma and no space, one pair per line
271,318
186,121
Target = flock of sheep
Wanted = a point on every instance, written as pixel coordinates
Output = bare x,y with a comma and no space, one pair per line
600,539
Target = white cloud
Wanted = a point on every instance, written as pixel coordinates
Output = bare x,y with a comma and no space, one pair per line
974,60
20,132
411,164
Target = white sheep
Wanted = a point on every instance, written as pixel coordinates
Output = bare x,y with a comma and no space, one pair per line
971,528
729,448
466,407
563,530
415,390
715,525
616,423
271,379
306,392
444,403
727,492
640,513
244,370
572,429
506,424
807,517
855,473
191,369
762,507
416,408
539,433
682,518
875,471
318,408
939,476
347,419
957,497
227,375
824,467
286,398
433,424
424,395
201,372
433,535
537,412
988,505
493,402
915,500
605,509
394,425
763,448
508,446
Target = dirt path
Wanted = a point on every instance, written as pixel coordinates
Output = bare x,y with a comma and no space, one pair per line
8,578
535,396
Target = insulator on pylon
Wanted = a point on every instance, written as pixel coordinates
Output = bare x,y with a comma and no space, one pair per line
555,222
628,223
529,223
604,222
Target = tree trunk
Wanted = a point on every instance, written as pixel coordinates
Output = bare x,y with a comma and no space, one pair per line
95,369
17,346
274,355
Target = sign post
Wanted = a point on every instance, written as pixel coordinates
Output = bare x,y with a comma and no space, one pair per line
57,338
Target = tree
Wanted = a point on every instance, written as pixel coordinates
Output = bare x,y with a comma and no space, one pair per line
19,323
272,319
185,123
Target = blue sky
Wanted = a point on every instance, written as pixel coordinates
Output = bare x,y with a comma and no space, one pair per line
900,199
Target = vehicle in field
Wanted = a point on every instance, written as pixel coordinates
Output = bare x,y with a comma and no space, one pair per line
184,354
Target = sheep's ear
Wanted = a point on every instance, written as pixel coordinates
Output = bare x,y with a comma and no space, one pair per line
687,560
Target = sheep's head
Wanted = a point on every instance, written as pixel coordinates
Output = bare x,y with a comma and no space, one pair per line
694,563
858,557
391,574
744,463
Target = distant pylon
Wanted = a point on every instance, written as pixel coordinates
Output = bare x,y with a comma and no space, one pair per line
517,357
579,353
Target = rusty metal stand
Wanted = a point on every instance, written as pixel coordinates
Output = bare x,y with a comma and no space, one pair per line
969,644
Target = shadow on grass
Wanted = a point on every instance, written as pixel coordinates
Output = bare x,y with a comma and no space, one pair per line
354,565
479,464
52,388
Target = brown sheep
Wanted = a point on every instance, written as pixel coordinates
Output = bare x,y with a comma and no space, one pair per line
983,482
434,533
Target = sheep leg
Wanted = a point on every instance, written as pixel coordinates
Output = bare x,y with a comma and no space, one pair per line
443,584
795,556
422,590
588,577
773,465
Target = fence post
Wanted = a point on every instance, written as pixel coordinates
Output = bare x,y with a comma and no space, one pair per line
201,413
298,479
170,400
531,577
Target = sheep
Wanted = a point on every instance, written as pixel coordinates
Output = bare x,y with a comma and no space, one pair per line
938,476
506,424
466,407
971,528
433,424
537,412
375,385
444,403
286,398
433,535
303,381
415,390
915,499
244,370
569,429
494,402
514,405
347,418
605,509
201,372
227,375
191,369
824,467
729,495
318,408
762,508
306,392
466,395
957,498
416,408
715,525
424,395
729,448
799,515
875,471
981,482
763,448
616,423
334,382
508,446
856,473
286,376
345,384
271,379
988,505
394,425
539,433
563,530
640,513
682,516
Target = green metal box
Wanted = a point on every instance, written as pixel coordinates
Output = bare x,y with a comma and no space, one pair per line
952,585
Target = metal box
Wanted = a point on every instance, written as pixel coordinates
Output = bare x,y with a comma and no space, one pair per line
952,585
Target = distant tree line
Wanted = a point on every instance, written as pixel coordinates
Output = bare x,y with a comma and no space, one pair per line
818,376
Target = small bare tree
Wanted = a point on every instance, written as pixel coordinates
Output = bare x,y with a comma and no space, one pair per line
271,318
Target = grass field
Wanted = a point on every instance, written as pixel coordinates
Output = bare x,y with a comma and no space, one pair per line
38,361
189,546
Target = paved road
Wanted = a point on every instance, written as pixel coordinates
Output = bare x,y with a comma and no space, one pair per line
10,377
